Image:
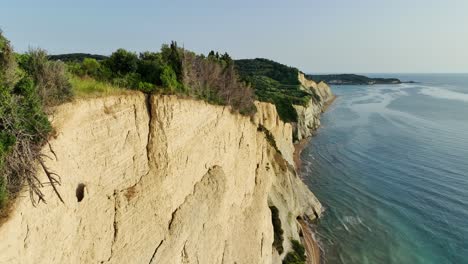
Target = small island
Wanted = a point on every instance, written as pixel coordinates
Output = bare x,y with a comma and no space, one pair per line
353,79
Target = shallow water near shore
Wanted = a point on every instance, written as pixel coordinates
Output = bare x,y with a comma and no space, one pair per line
390,164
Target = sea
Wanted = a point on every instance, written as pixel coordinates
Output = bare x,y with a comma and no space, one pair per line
390,166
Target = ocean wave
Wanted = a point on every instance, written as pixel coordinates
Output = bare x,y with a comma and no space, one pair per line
443,93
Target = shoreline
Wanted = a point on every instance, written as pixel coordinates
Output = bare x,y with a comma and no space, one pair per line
328,103
299,146
311,245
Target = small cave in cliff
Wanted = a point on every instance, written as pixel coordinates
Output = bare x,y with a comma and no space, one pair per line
80,192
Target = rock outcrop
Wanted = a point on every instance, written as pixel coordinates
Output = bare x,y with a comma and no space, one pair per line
309,116
162,180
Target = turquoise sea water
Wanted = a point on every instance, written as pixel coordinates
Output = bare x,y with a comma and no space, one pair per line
390,165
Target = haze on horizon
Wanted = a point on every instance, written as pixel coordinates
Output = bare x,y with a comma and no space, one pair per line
334,36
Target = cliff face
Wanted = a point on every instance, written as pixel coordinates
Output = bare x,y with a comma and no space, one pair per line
309,116
161,180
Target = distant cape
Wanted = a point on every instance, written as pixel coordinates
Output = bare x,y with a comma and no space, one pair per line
352,79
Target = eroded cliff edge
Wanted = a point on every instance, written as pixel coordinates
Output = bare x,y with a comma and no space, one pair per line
161,180
308,117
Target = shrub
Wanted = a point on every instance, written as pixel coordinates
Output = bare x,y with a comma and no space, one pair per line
169,78
297,256
150,66
90,67
278,231
213,78
146,87
24,126
50,77
269,137
216,80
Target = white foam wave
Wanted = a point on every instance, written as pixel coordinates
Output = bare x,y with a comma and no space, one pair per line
444,93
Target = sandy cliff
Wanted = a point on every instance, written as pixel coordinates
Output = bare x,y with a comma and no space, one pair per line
161,180
309,116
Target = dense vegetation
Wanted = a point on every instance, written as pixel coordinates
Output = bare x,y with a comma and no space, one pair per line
351,79
297,256
275,83
172,70
277,230
28,84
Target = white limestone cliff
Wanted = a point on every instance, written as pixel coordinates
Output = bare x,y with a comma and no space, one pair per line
161,180
309,116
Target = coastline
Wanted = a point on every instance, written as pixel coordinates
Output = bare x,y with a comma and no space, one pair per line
299,146
328,103
311,245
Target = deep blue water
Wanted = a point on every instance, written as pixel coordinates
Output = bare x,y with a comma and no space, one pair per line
390,165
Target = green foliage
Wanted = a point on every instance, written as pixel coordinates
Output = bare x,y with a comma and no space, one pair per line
175,60
3,193
50,78
278,231
264,67
86,86
172,70
169,78
270,138
90,66
76,57
297,256
275,83
24,89
6,143
150,66
283,96
146,87
122,62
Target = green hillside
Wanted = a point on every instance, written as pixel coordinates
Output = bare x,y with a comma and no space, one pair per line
275,83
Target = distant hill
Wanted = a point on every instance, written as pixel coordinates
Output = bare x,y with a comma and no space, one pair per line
351,79
76,57
271,69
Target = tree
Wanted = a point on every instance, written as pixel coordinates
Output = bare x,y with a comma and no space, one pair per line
90,66
226,58
169,78
175,60
123,62
150,67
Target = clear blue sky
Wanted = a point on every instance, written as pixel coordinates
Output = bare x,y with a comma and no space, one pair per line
314,35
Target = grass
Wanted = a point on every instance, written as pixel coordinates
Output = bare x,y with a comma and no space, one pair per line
84,87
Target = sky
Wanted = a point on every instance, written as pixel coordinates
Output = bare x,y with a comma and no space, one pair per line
317,36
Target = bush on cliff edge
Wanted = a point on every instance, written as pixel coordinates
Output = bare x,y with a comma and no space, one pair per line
25,89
